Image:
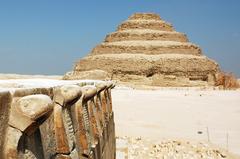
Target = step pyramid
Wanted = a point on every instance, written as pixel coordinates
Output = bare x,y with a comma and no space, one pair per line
147,50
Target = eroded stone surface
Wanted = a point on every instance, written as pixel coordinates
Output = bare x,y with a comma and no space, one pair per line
74,129
11,143
5,104
89,92
67,93
27,110
34,106
145,50
61,136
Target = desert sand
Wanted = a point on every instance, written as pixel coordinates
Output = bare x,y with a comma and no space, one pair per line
209,116
19,76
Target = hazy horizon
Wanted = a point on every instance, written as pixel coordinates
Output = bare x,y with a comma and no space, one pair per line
47,37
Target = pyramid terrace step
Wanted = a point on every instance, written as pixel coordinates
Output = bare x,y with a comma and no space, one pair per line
146,16
147,47
146,34
142,64
146,24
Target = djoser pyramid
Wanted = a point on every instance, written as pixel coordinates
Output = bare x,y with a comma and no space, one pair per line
147,50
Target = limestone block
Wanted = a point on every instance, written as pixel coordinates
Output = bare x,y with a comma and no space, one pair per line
145,24
149,47
99,112
62,146
48,137
5,104
27,111
146,16
89,92
101,87
92,74
146,34
211,79
80,128
67,93
11,143
30,91
72,127
94,122
105,108
61,134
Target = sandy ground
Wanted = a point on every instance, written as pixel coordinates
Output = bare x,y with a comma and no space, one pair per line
193,115
18,76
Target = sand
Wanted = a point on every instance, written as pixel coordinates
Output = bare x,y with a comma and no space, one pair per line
19,76
192,115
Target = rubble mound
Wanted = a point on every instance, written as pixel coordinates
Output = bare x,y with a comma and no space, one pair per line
147,50
129,147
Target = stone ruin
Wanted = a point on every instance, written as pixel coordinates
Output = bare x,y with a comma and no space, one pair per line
73,121
147,50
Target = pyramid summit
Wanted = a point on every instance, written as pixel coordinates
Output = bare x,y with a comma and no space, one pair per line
147,50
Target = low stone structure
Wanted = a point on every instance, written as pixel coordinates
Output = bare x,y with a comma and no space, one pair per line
70,121
147,50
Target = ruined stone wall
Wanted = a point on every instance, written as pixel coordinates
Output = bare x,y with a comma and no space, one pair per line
71,121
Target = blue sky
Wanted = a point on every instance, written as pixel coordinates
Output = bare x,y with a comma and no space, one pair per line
48,36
